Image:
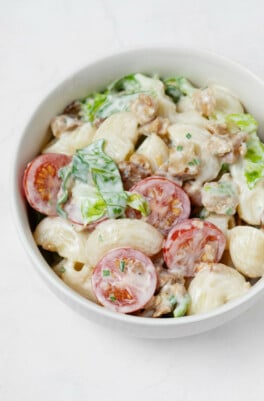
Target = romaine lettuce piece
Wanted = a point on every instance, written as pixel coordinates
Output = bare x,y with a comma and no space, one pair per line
117,97
244,121
128,84
104,194
177,87
254,160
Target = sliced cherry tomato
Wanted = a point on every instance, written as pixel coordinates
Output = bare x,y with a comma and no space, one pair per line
193,241
168,203
41,182
124,280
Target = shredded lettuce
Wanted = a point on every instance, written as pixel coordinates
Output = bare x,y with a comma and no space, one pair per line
104,195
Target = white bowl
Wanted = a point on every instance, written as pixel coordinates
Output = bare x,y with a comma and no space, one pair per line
202,68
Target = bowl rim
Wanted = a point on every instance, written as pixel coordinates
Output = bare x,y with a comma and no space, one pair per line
25,235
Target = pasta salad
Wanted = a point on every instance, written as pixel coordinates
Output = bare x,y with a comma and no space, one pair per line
149,197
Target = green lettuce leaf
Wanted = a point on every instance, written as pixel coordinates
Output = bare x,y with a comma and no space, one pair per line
127,84
116,98
138,202
254,160
253,164
106,177
181,303
244,121
177,87
104,194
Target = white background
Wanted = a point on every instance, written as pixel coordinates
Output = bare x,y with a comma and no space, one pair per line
47,352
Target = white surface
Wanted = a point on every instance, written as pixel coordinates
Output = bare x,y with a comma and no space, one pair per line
47,352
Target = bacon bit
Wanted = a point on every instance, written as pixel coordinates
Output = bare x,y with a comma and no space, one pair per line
144,108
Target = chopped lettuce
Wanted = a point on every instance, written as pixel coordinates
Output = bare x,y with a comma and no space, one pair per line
65,175
128,84
220,188
93,207
254,160
178,86
244,121
104,194
182,303
136,201
106,177
117,97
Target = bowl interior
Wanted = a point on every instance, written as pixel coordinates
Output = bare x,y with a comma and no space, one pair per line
202,69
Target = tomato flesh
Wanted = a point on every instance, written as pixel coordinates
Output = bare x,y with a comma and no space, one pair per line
190,242
124,280
169,204
41,182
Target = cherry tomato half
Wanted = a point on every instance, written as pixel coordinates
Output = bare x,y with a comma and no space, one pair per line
41,182
168,203
193,241
124,280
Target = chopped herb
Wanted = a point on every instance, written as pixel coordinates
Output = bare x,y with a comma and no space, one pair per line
207,188
194,162
183,303
179,148
203,213
106,273
224,168
122,265
112,297
172,300
188,136
229,211
62,269
177,86
100,238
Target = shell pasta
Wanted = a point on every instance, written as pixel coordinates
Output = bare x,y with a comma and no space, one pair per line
148,197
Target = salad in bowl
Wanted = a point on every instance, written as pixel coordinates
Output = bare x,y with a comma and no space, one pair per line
150,197
138,191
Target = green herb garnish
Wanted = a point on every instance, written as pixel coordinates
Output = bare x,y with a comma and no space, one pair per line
122,265
229,211
188,135
194,162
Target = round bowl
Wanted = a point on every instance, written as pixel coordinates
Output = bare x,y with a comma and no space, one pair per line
200,67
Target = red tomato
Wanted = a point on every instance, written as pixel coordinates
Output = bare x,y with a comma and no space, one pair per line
124,280
168,203
193,241
41,182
